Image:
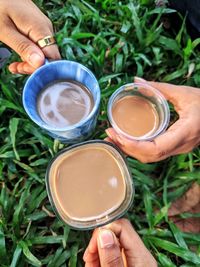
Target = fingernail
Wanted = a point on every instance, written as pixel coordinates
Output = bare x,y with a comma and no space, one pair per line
138,79
35,60
108,133
106,238
85,254
12,70
119,140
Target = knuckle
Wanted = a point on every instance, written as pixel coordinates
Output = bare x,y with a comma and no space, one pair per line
159,153
124,221
5,25
20,68
41,32
49,23
113,261
23,47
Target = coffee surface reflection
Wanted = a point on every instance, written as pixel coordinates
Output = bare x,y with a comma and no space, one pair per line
135,115
87,183
64,103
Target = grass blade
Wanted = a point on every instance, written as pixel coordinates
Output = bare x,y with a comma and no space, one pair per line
175,249
165,261
178,235
3,254
16,256
13,126
34,261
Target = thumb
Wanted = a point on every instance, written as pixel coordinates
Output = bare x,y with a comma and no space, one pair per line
109,249
27,50
170,91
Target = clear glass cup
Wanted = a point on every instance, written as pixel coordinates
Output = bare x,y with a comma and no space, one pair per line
153,96
109,215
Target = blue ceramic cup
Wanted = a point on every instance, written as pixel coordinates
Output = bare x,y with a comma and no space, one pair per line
62,70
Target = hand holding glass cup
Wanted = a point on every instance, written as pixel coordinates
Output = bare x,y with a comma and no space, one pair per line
138,112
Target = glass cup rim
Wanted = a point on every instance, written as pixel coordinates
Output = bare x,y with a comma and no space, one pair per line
145,137
81,223
74,126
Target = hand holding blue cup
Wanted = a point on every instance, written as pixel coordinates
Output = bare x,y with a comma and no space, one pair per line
62,70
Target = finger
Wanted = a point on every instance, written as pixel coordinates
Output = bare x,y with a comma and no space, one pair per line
36,28
21,67
91,253
51,52
114,137
173,139
144,151
91,257
108,139
92,247
109,249
170,91
14,69
127,236
92,264
38,33
160,148
134,249
123,143
28,50
188,147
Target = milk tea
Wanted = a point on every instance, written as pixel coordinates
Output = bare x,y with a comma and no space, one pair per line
135,115
64,103
87,183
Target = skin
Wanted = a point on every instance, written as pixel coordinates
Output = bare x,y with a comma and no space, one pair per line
106,245
182,137
22,24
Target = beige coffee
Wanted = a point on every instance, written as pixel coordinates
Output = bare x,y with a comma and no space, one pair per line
64,103
87,182
135,115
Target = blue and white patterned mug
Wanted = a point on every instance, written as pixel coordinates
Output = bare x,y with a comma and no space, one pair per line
62,70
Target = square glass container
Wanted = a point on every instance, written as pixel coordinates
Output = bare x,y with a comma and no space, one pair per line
79,194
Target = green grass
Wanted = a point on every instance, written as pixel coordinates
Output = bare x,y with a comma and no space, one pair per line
116,40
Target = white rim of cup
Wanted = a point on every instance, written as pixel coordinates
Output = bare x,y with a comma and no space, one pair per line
146,137
45,126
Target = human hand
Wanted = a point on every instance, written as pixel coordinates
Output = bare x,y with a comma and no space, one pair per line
22,24
181,137
107,243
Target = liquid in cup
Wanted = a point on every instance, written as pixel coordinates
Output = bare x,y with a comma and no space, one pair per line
64,103
89,184
138,112
124,114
